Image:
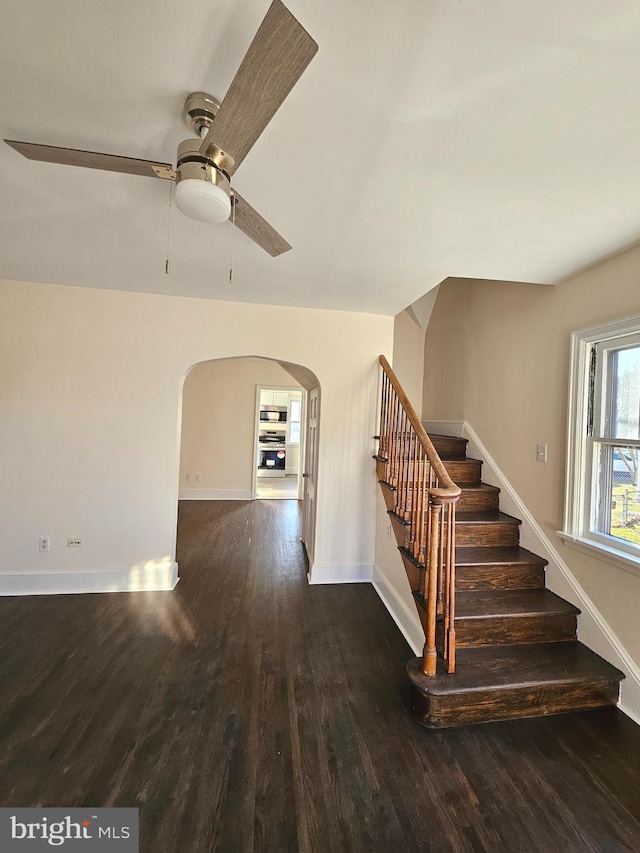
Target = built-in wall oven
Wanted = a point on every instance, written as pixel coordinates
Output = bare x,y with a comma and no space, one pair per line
272,453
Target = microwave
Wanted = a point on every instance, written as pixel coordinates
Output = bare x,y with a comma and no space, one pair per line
273,414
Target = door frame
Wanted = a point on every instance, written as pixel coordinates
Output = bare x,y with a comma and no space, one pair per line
309,508
256,431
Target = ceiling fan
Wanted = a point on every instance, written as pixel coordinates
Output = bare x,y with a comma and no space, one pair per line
277,57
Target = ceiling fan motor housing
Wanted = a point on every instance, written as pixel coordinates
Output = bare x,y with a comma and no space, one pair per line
202,188
199,111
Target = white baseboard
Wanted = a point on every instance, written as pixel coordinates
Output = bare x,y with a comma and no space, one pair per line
593,629
66,583
214,495
335,573
408,622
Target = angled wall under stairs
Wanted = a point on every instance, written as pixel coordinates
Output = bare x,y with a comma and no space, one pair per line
517,652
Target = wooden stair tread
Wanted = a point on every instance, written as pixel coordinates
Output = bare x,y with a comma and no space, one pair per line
488,604
485,517
518,666
458,439
497,555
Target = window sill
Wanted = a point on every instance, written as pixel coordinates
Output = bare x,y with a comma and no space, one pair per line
620,559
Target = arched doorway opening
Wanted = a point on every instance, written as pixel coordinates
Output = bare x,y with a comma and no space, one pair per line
219,434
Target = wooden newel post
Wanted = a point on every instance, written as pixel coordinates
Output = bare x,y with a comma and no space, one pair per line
429,656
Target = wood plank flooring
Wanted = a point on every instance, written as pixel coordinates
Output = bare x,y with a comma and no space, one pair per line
277,488
247,711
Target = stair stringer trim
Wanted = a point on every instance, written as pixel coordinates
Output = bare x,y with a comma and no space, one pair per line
593,629
407,621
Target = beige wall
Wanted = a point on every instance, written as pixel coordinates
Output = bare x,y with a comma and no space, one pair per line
218,422
497,356
408,357
90,394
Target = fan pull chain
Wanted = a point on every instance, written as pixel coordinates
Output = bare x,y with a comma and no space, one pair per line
167,264
233,234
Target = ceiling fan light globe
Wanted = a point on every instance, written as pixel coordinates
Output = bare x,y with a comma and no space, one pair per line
202,200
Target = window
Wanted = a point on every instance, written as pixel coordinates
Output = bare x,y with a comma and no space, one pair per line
295,411
603,490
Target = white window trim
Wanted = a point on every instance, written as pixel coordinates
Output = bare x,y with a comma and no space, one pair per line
573,532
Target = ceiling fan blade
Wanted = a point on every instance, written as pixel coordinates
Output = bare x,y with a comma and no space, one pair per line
277,56
93,160
254,226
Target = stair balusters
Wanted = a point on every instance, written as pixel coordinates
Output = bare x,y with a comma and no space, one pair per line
425,499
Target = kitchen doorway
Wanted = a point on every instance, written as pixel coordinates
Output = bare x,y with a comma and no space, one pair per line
279,442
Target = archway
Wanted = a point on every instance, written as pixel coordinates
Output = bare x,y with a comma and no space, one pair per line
219,448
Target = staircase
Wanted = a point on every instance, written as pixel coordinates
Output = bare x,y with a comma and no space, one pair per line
512,641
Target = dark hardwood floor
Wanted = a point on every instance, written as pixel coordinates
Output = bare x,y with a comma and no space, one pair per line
248,711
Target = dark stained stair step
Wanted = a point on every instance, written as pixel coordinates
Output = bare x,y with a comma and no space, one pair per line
487,528
463,470
449,446
505,682
511,602
478,496
498,567
475,497
513,616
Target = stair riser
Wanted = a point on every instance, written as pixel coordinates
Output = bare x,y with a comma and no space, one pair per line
471,500
499,577
507,630
400,531
487,533
476,500
467,471
511,703
467,533
460,470
449,447
414,574
389,495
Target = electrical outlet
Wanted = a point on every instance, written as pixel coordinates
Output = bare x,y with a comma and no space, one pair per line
198,477
541,453
388,529
187,477
44,543
75,543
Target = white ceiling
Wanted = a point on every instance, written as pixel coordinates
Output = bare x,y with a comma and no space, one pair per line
492,139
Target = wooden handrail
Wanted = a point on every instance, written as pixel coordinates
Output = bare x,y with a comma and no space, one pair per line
424,504
450,492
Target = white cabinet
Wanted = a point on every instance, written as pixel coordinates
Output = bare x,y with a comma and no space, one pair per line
274,398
